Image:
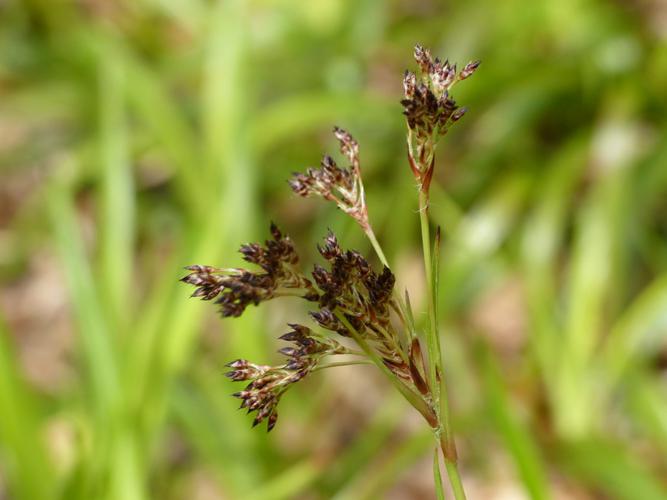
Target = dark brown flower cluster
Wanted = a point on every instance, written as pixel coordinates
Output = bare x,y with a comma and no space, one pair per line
269,383
236,289
353,301
347,298
429,108
341,185
364,299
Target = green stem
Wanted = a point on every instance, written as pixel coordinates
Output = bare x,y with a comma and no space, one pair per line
455,479
436,377
376,245
414,398
342,363
432,341
444,431
401,306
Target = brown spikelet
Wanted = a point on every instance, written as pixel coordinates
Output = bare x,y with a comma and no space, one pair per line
267,384
235,289
341,185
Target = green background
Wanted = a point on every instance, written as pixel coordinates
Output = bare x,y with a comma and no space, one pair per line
137,137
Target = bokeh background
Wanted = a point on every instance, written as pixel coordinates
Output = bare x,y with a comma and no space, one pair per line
137,137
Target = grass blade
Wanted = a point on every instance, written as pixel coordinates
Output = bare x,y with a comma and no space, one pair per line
117,186
97,346
611,469
28,473
517,437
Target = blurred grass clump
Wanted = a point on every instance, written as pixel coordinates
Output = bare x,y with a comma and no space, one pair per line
138,137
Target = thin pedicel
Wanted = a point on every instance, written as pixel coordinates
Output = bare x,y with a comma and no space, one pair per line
347,297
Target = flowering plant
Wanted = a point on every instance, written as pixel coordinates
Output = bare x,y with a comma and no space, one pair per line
350,299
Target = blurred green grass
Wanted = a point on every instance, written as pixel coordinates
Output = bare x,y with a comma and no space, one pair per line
138,137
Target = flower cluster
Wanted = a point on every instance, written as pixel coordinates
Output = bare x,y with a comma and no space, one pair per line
269,383
429,109
353,301
236,289
346,295
341,185
347,298
363,298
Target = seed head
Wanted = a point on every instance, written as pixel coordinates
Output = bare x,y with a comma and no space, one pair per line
341,185
267,384
236,289
429,109
350,297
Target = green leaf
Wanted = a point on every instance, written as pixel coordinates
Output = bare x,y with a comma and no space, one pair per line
610,468
516,435
27,470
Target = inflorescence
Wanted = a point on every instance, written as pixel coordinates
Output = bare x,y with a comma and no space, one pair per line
349,295
268,383
349,299
341,185
429,109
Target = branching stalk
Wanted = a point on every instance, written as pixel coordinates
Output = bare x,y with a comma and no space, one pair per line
343,363
376,245
348,296
408,393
